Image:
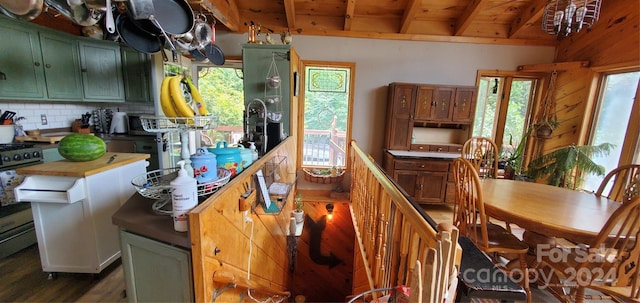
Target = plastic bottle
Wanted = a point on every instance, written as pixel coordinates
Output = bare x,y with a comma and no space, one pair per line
254,152
184,197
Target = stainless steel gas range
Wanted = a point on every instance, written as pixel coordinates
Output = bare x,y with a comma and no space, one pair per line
16,221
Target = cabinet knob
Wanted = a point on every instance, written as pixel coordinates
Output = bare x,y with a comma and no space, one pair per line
421,165
439,149
36,63
420,147
47,65
404,101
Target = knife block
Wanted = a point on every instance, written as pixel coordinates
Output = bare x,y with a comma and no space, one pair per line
76,127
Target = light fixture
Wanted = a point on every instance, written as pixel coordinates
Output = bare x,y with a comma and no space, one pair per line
563,17
329,208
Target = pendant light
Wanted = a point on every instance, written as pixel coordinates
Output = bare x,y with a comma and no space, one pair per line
563,17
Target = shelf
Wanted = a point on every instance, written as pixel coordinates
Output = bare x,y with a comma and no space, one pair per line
276,183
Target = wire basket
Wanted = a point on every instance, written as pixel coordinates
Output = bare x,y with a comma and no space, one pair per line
156,184
165,124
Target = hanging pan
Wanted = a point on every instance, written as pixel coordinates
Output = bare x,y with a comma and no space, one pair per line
137,38
162,16
212,51
22,9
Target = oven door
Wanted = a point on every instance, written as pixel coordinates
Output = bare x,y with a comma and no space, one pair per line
16,228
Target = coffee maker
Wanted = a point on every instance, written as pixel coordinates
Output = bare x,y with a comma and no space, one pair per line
275,133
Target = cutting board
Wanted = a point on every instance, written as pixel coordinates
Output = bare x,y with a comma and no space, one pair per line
47,138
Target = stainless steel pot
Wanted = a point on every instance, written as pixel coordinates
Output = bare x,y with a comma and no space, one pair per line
22,9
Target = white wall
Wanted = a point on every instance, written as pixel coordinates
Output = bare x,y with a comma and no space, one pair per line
380,62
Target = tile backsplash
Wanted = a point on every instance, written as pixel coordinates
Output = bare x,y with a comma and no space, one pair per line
60,115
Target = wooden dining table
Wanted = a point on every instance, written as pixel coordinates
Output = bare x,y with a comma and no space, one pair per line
548,210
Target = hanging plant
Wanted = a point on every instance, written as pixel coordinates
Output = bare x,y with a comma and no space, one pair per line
547,118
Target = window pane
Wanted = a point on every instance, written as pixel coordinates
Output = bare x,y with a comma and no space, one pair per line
612,120
223,94
514,127
488,93
326,112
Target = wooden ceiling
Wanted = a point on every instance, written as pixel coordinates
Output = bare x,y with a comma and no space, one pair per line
515,22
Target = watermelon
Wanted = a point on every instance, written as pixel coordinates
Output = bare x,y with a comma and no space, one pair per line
81,147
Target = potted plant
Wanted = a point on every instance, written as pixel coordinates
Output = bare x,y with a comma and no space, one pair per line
559,165
513,157
298,213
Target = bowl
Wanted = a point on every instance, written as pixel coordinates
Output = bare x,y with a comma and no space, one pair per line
6,133
274,116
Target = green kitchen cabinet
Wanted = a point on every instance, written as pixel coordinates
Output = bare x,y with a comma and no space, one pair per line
136,67
101,69
37,65
155,271
61,66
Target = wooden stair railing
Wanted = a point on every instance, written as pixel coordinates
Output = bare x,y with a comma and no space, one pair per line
397,246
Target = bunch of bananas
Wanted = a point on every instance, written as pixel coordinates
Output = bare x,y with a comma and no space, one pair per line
180,98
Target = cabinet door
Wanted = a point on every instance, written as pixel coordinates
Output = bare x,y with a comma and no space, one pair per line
101,71
442,103
407,180
136,75
431,187
154,271
464,105
20,62
425,102
400,124
61,67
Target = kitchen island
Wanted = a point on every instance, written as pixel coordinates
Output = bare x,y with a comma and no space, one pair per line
72,204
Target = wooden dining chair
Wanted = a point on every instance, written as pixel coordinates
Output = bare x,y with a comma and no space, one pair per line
472,222
623,183
482,152
609,264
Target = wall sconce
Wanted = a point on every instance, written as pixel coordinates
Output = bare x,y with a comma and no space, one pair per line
329,208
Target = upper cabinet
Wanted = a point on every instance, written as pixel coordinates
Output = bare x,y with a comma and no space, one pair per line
38,63
101,71
445,104
136,67
426,106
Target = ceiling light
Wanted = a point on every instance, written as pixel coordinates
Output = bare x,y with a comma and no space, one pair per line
563,17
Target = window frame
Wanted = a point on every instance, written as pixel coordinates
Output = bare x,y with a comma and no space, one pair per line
300,131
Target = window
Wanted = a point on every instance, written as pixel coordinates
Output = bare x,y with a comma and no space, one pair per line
222,91
328,100
612,122
503,109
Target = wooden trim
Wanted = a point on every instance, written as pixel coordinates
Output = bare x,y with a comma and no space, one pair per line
631,138
409,15
623,66
225,277
472,10
290,12
559,66
527,17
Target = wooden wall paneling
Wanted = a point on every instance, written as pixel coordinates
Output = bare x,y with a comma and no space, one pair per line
220,237
614,38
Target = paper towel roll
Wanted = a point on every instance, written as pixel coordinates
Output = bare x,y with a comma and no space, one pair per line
292,226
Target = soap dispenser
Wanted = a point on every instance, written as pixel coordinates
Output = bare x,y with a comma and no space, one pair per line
184,197
254,152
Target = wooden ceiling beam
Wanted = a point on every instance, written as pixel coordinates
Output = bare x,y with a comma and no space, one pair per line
225,11
558,66
348,14
527,17
467,17
290,12
409,15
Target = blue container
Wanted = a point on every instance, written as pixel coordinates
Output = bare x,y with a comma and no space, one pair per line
228,157
205,168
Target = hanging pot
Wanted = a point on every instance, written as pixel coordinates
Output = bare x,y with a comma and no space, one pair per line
22,9
137,38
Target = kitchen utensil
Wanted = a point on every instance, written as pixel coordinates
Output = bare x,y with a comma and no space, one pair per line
197,55
111,159
204,166
169,16
214,54
6,117
22,9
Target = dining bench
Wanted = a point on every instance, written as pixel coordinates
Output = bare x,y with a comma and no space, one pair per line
480,278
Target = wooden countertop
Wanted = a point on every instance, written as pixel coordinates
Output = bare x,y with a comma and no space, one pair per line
137,217
66,168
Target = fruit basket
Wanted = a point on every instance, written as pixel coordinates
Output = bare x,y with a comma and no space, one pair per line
156,184
166,124
323,176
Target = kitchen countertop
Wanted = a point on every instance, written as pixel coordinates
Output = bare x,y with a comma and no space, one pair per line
136,216
66,168
419,154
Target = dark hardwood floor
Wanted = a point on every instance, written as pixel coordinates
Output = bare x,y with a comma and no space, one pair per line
24,281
